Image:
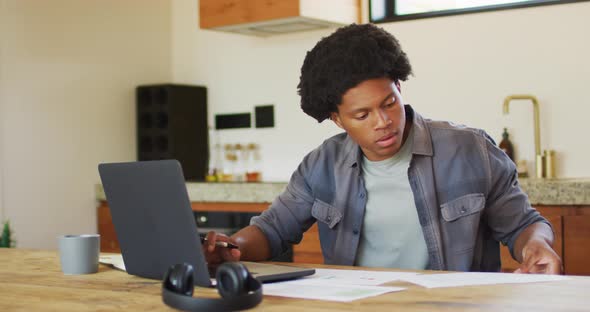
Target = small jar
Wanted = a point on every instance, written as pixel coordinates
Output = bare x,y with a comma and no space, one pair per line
229,163
253,163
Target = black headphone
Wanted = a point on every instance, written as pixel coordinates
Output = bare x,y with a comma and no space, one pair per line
238,289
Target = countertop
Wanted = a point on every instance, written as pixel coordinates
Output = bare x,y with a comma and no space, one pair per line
32,281
540,191
557,191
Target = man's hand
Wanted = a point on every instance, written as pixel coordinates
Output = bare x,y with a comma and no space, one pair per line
253,246
538,257
533,246
214,254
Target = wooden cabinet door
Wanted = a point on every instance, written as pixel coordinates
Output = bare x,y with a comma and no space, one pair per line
309,250
217,13
576,241
106,229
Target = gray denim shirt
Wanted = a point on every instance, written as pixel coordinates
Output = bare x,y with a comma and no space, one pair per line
465,188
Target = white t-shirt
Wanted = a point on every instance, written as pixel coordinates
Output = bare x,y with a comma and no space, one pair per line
391,235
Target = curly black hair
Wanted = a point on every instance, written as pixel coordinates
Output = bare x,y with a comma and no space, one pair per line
347,57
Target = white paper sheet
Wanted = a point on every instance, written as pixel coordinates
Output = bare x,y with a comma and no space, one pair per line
343,293
337,285
115,260
353,277
475,278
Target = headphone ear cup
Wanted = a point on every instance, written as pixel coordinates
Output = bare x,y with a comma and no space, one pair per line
179,279
232,279
238,289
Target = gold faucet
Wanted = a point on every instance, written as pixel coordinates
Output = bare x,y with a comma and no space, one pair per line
539,158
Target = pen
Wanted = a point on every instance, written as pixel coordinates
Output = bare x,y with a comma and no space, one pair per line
218,244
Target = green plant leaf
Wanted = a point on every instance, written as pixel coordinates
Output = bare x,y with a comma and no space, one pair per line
6,240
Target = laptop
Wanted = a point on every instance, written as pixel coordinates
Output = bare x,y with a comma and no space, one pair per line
155,224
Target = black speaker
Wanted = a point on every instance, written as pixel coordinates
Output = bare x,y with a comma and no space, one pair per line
172,124
238,289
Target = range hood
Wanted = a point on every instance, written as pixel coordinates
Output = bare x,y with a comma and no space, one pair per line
273,17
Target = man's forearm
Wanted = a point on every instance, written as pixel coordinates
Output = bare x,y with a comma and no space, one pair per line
535,231
253,244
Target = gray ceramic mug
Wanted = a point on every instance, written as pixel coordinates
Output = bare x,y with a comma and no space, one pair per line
79,253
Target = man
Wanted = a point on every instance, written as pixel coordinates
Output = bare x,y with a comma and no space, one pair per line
395,190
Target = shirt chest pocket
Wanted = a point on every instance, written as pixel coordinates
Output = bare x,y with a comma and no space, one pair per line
326,213
462,207
461,221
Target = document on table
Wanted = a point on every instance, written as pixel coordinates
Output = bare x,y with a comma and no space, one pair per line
115,260
477,278
337,285
344,293
354,277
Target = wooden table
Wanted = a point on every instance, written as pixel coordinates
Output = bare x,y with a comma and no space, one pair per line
31,280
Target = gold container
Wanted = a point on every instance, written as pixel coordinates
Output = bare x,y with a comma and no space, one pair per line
549,164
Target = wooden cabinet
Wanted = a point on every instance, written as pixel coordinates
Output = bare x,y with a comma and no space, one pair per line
106,229
308,251
576,241
571,225
271,17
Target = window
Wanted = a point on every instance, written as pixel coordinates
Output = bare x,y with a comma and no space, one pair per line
382,11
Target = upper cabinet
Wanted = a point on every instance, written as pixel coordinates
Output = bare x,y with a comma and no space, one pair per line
273,17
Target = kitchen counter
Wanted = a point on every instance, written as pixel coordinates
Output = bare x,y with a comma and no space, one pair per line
557,191
540,191
565,203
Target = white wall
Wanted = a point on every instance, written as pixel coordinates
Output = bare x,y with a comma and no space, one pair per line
464,67
69,69
2,91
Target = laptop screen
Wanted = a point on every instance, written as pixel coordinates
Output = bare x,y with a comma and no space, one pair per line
155,224
153,220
